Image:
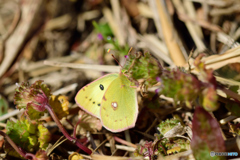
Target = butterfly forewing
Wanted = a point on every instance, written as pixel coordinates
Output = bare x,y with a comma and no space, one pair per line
89,98
119,108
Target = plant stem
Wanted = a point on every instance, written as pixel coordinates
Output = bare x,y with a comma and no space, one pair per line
12,144
75,128
63,130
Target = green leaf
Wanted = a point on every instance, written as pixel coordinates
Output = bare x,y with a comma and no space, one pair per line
28,136
19,133
210,99
104,29
167,125
44,137
180,86
33,114
105,33
142,66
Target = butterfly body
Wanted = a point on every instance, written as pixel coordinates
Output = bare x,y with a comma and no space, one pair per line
112,98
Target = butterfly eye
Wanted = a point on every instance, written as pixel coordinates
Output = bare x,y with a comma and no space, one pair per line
101,87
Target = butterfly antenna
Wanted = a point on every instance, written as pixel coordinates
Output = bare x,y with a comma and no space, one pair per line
116,60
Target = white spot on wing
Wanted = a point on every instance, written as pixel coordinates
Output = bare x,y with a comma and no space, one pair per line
114,105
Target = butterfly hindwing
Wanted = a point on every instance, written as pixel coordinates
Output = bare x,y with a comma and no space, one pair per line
119,107
89,98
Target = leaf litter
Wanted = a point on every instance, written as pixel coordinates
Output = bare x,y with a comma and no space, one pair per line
184,60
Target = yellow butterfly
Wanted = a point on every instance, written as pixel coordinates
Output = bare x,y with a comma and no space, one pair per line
113,99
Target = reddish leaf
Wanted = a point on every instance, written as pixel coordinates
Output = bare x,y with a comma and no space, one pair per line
207,135
33,98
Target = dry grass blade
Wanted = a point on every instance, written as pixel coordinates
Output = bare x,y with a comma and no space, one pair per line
219,3
102,68
193,28
122,147
217,61
113,24
59,142
70,47
11,114
154,45
169,35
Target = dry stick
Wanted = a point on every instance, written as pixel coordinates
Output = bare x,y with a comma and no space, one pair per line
171,42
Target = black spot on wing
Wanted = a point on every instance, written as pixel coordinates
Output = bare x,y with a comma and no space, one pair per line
93,102
101,87
99,104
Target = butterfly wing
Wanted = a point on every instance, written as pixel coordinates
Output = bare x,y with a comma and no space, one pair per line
90,96
119,107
